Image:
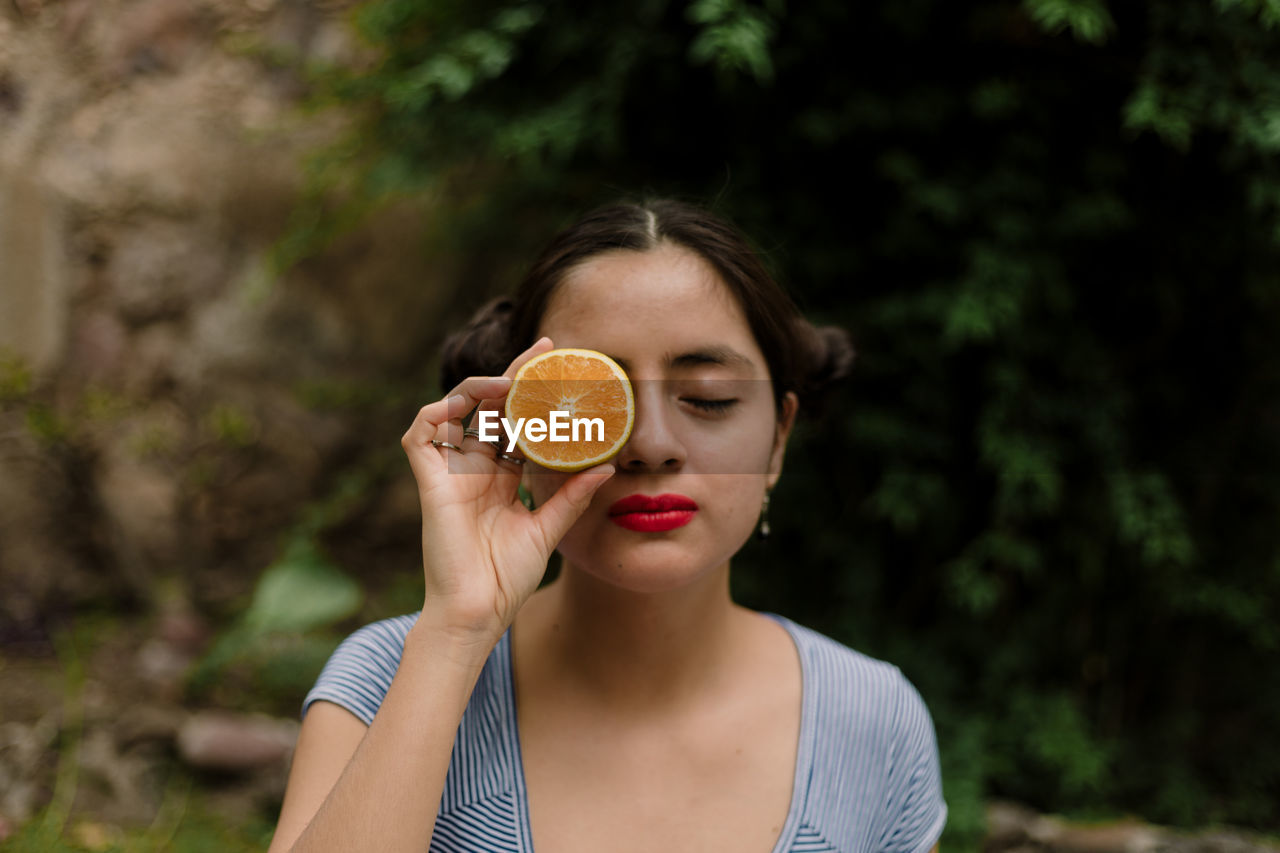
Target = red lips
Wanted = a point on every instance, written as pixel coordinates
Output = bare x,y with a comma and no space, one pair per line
647,514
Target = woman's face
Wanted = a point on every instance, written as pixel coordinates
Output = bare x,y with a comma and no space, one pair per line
706,428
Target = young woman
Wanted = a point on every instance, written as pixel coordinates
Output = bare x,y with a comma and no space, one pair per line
629,705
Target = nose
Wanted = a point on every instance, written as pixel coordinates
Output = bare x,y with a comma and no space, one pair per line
654,445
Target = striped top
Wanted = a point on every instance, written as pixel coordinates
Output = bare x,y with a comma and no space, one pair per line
866,777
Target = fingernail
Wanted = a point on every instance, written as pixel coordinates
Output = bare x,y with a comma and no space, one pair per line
456,402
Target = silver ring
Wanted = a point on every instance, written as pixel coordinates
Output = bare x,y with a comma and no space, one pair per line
507,457
435,442
475,433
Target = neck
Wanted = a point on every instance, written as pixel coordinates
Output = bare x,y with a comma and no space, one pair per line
631,652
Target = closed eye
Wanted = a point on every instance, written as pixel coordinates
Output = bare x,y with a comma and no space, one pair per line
714,406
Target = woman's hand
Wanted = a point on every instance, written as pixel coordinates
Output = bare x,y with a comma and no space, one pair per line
483,552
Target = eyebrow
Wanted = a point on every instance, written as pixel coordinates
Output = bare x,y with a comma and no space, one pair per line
716,354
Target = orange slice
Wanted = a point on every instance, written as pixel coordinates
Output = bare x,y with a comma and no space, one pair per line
594,401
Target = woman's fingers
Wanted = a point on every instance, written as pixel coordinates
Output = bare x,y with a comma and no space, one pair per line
432,418
441,421
472,391
512,461
474,440
563,508
437,431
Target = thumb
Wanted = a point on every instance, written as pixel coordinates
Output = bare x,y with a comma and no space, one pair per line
570,501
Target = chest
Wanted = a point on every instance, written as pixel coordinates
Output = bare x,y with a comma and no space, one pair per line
720,783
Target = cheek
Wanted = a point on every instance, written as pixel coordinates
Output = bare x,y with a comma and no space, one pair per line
741,447
739,504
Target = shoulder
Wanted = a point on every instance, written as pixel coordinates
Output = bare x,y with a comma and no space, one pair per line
386,635
359,672
874,774
855,688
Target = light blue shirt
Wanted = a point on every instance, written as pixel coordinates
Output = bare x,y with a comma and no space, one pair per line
866,780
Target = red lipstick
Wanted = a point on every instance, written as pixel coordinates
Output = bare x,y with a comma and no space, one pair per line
655,514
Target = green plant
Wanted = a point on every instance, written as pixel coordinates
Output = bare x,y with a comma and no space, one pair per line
300,593
15,377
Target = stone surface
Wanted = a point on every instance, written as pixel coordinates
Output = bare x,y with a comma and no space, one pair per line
33,282
1117,837
24,765
235,743
1008,824
1015,828
150,156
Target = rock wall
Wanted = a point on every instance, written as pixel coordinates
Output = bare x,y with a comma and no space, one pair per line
167,406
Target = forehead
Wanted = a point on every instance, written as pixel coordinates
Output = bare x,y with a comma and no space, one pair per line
632,304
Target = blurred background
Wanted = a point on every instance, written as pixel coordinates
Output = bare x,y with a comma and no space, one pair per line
233,234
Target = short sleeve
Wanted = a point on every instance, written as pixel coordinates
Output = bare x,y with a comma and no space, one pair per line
358,674
915,811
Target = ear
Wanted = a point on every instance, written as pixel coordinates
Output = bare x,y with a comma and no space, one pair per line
786,420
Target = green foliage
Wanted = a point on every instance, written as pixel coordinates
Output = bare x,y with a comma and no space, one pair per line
15,377
56,813
1149,518
300,592
1088,20
1054,229
231,425
1268,11
966,765
181,823
1047,736
46,425
275,649
336,395
59,423
275,643
734,36
180,826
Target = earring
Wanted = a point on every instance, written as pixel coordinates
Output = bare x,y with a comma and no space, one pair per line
763,531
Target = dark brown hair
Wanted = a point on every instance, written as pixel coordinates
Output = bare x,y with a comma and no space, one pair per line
801,357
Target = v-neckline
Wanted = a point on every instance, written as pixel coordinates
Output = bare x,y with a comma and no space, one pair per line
804,745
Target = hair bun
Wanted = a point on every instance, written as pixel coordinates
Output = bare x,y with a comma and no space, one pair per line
829,358
481,348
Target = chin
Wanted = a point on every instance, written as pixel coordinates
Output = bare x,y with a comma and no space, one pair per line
642,577
653,566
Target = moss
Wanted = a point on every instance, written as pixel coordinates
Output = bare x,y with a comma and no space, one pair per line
15,377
